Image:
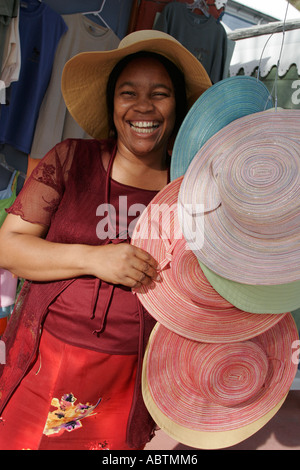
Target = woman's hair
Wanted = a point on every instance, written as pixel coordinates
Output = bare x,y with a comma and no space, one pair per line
175,74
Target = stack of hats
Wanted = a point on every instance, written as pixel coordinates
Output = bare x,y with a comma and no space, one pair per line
225,232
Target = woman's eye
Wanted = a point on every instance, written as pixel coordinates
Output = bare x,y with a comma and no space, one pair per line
160,94
128,93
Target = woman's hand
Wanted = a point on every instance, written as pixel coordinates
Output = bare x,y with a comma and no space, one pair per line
124,264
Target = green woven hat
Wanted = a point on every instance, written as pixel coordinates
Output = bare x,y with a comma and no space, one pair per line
218,106
256,299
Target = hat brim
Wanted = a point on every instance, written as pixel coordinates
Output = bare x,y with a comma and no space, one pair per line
209,319
184,414
256,299
221,244
224,102
85,76
198,439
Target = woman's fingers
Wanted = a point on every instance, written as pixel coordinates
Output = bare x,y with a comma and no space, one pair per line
143,255
126,264
144,268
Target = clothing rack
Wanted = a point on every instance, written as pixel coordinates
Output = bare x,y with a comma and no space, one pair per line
260,30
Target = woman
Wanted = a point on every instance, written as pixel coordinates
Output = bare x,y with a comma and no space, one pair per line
76,339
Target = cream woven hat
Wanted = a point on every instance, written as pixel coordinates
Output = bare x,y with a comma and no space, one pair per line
85,76
212,396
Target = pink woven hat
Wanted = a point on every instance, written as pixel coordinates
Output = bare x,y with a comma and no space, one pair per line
212,396
242,192
183,300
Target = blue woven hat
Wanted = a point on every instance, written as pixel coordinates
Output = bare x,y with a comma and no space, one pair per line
218,106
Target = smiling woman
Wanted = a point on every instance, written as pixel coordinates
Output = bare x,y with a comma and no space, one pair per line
144,118
78,333
174,73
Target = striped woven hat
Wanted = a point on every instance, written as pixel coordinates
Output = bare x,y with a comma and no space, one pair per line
212,396
242,191
218,106
184,301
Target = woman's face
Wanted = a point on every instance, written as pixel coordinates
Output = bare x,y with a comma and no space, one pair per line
144,107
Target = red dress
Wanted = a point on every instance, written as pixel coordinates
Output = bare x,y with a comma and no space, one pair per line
82,387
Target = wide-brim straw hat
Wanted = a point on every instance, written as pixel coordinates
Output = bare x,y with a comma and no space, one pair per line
85,76
183,300
212,396
222,103
241,196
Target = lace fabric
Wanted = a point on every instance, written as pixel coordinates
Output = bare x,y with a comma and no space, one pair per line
42,192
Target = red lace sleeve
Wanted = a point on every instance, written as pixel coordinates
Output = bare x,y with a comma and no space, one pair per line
42,192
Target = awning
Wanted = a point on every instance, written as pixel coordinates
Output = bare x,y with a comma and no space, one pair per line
264,52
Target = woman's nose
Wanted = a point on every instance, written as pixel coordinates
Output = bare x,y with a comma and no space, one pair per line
144,103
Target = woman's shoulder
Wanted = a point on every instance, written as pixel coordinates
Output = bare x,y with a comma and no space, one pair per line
83,160
75,146
74,152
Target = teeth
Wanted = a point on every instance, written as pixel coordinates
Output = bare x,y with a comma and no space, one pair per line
145,124
144,127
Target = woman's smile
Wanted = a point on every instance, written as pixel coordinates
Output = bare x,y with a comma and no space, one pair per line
144,127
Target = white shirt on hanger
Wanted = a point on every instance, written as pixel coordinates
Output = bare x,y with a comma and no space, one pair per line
11,62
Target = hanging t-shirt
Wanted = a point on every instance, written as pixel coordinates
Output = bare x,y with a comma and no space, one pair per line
12,54
55,123
8,10
41,29
203,37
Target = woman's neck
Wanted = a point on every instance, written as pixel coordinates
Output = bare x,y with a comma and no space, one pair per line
142,171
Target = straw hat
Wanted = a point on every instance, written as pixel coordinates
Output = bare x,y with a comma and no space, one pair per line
242,192
213,396
184,301
85,76
218,106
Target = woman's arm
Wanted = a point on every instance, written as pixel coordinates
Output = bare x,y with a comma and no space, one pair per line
25,253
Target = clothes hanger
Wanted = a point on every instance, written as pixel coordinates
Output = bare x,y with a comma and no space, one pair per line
31,1
27,3
201,5
6,172
4,163
6,166
98,14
